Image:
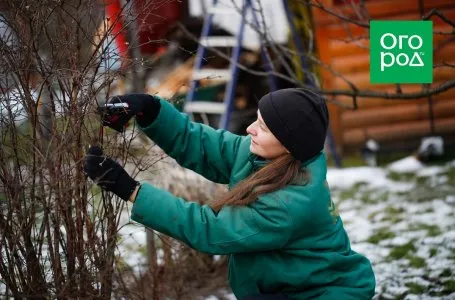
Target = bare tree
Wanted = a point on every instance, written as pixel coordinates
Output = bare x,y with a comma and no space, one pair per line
58,233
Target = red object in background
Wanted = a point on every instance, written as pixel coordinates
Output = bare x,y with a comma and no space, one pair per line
154,20
112,11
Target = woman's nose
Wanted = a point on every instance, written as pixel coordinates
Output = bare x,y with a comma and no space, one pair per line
250,130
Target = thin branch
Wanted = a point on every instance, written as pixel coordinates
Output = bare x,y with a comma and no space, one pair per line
443,87
445,32
443,64
317,4
442,16
364,9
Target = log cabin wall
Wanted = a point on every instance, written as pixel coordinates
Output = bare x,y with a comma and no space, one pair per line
397,123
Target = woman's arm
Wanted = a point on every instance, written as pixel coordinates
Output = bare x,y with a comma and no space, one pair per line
264,226
195,146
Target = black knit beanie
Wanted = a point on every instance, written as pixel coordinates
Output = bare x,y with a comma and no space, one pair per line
298,118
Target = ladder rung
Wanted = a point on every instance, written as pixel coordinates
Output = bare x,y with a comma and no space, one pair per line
219,41
205,107
220,10
214,74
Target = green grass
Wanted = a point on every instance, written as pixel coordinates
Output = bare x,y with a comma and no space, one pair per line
381,234
394,219
429,210
415,288
390,210
351,192
396,176
451,176
401,251
432,230
446,273
433,252
449,287
416,262
367,197
422,180
373,215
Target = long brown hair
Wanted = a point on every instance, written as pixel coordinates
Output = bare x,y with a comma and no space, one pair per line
280,172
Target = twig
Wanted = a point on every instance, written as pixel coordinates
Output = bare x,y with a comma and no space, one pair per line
436,12
317,4
388,96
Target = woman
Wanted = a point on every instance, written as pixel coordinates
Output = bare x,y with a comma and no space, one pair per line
277,223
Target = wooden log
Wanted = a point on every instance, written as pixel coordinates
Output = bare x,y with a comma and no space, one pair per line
398,113
327,79
352,63
362,79
176,82
376,9
361,62
344,30
394,132
365,102
343,46
445,53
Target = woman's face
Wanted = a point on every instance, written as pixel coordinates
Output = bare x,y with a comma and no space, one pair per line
263,142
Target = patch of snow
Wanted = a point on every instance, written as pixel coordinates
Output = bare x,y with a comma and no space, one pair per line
396,241
374,177
348,205
229,296
345,178
216,257
419,281
225,294
363,219
449,235
397,290
430,171
160,257
132,232
450,199
412,273
441,213
440,264
408,164
374,253
422,207
363,228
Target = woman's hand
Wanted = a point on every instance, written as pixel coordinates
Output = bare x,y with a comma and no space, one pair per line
118,111
108,174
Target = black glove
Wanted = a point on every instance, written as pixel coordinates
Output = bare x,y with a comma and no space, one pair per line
108,174
117,112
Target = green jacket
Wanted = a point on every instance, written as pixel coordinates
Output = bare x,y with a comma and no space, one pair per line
289,241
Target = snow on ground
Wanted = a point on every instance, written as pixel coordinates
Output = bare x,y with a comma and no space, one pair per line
402,217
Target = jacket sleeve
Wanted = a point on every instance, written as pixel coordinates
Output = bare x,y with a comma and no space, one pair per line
195,146
260,227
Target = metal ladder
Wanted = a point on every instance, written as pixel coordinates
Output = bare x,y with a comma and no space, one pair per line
229,75
224,109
